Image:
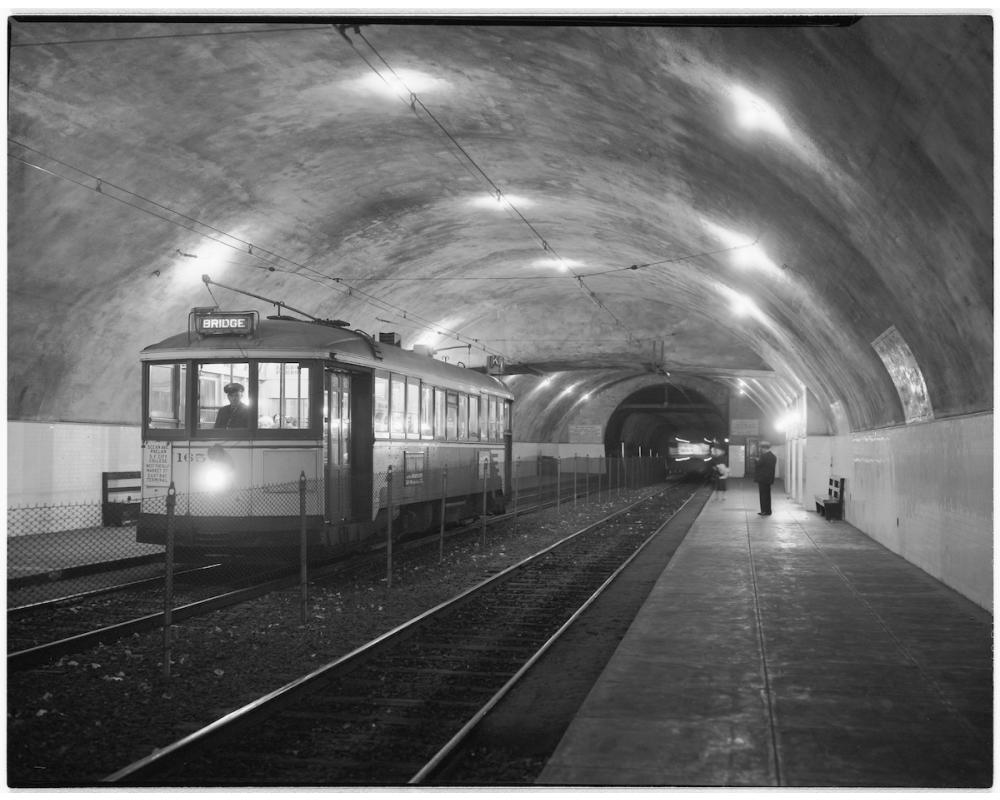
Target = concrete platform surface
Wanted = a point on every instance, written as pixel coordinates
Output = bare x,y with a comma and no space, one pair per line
789,651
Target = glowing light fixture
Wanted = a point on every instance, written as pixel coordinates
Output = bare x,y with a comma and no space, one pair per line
755,113
745,252
398,85
561,264
212,258
500,202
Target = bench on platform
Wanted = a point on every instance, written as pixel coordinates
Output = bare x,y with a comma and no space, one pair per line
831,505
120,496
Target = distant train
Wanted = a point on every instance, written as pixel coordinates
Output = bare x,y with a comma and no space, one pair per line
692,459
238,410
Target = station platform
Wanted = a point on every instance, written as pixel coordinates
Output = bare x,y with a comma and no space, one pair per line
788,651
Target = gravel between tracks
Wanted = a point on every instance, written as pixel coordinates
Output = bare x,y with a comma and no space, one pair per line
75,721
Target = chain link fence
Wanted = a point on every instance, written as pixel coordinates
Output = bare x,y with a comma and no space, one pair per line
57,550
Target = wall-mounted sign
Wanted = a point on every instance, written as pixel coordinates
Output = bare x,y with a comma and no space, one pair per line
494,365
238,323
744,427
586,434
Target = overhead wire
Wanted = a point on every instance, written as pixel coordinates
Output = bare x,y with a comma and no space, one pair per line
414,101
103,188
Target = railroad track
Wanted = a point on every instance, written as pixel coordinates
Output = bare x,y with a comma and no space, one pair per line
390,712
46,631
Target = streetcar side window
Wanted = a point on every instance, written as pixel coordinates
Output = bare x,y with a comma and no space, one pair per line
463,416
397,405
167,396
494,416
216,407
451,416
474,417
283,396
426,411
381,409
439,414
412,408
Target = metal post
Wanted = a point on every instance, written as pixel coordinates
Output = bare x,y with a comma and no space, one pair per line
303,570
517,470
168,591
486,472
576,466
558,482
586,495
444,496
388,528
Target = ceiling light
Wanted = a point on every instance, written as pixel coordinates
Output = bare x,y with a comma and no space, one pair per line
398,85
754,113
500,202
561,264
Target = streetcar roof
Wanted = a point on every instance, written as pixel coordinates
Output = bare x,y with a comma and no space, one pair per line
297,339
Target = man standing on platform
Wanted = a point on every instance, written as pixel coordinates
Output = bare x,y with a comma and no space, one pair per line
763,475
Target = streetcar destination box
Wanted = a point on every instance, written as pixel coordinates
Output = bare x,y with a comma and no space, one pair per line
240,323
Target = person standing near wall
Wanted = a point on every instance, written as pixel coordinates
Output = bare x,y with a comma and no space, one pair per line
763,475
721,473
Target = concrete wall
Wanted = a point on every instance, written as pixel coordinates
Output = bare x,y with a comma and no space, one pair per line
925,491
61,462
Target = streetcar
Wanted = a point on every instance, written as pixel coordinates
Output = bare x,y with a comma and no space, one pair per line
255,429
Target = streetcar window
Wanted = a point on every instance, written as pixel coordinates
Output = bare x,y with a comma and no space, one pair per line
493,419
474,417
283,396
451,416
167,395
463,416
504,418
397,405
439,414
213,378
412,408
381,405
426,411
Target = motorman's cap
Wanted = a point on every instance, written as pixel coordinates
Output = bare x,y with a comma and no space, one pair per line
762,444
229,388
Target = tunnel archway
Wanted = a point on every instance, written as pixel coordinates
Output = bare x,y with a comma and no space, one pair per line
646,421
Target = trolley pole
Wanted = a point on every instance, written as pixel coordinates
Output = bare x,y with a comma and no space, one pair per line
388,528
444,496
303,551
168,593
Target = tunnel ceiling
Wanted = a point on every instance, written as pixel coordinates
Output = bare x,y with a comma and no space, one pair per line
569,194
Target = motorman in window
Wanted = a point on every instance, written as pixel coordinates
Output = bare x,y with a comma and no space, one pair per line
235,415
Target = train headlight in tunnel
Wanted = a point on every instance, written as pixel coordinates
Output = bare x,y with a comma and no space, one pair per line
217,474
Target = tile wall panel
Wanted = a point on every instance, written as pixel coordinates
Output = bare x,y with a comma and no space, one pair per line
62,462
925,491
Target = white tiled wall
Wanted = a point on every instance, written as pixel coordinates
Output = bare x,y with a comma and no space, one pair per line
925,491
61,462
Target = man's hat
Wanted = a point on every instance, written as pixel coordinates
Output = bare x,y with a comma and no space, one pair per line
762,444
229,388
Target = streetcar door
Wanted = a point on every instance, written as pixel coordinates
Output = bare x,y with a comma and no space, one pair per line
338,446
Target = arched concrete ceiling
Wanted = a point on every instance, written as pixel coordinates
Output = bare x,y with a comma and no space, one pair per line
567,194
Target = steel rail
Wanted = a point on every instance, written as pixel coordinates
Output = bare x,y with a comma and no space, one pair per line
451,746
248,715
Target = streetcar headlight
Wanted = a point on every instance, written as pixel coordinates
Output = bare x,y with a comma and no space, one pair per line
216,477
217,474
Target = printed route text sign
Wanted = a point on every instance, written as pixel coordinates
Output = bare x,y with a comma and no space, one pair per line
156,464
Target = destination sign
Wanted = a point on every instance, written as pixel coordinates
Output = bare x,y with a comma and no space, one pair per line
238,324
